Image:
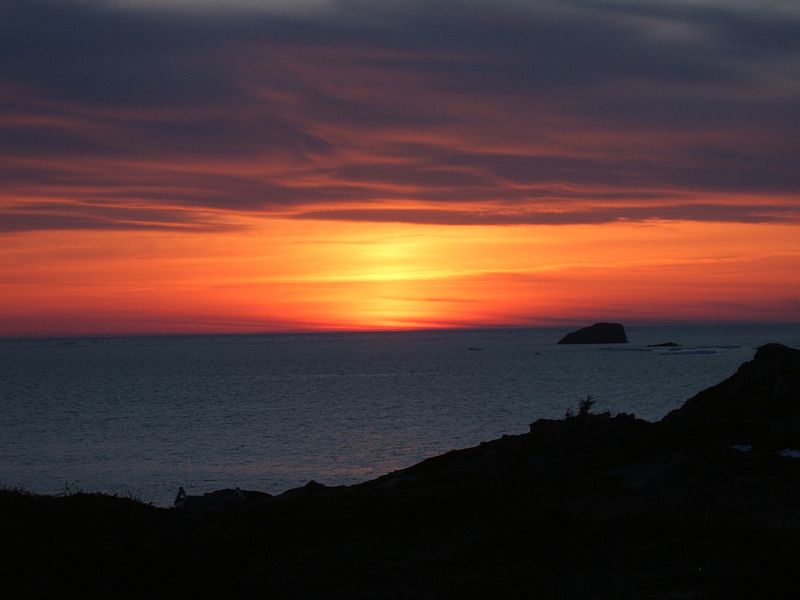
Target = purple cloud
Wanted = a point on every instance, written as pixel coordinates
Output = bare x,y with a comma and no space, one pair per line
648,107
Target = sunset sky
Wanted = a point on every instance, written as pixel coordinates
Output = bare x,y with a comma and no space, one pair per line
276,165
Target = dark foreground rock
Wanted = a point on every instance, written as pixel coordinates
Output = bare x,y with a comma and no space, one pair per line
599,333
218,500
757,405
590,506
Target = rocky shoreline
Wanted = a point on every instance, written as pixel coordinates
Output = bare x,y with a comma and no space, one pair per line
702,504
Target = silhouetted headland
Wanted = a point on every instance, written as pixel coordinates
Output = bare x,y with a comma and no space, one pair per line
702,504
599,333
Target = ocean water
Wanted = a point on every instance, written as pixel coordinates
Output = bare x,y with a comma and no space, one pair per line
141,416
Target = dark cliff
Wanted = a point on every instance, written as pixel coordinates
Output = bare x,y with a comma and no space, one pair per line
759,404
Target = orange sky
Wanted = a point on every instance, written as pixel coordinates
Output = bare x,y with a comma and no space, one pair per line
184,166
290,275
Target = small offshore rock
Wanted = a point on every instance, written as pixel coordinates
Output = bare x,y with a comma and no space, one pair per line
599,333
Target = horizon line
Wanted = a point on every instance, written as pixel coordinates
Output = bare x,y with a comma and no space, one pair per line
410,330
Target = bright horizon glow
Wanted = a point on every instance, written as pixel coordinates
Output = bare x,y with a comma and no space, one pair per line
288,275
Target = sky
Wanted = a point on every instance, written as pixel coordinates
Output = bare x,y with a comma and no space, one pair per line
187,166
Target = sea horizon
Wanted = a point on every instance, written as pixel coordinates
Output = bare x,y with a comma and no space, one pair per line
274,411
566,325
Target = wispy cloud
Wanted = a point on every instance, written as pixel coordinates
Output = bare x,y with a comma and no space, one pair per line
758,213
557,112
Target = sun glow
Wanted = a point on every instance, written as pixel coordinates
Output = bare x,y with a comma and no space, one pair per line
285,275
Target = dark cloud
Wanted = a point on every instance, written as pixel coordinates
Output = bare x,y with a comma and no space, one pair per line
692,212
464,102
35,217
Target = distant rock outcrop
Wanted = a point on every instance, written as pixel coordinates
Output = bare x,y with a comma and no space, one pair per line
664,345
599,333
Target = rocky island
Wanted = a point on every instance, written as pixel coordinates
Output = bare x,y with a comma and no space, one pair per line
599,333
702,504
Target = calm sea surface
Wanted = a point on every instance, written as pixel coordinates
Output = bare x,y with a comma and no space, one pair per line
143,416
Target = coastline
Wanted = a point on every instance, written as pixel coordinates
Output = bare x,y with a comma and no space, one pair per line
700,504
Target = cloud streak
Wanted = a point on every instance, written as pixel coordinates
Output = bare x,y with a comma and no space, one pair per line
129,115
593,216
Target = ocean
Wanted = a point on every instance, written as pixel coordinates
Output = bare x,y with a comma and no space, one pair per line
141,416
